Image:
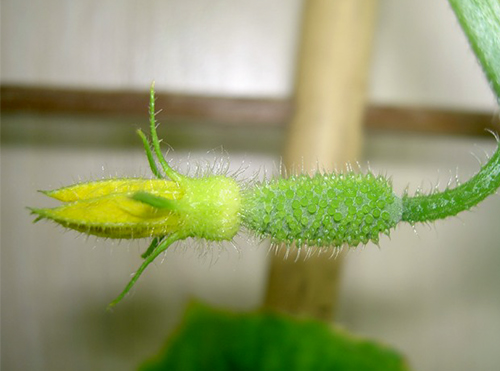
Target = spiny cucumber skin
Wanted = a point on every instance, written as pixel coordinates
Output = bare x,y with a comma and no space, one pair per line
326,210
427,208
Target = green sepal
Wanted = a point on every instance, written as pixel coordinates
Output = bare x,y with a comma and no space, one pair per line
148,260
149,154
152,246
155,201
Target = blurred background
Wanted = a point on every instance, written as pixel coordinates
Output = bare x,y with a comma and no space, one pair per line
75,77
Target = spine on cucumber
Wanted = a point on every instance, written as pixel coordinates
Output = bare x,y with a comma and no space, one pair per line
322,210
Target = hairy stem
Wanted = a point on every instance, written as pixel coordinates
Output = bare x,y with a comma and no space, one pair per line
426,208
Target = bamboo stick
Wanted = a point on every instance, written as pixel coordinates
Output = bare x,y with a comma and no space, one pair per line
325,131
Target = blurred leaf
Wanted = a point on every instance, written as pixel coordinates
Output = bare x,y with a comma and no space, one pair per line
209,339
480,20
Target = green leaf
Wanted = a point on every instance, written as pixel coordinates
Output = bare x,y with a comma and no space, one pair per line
480,20
209,339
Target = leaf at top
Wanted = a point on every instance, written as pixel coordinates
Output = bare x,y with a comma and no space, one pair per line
480,20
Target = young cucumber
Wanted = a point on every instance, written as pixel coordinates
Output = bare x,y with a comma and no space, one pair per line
325,210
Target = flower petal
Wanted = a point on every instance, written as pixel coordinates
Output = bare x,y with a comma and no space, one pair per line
84,191
106,208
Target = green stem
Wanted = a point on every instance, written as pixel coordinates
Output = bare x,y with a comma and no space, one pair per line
426,208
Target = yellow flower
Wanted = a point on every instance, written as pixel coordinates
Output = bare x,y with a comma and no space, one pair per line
135,208
107,208
166,209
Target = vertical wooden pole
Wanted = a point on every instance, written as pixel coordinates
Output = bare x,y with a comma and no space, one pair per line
326,132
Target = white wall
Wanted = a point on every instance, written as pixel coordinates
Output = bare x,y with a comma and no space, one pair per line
435,296
223,47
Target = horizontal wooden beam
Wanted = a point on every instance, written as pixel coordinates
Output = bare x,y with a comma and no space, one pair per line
431,121
234,111
213,109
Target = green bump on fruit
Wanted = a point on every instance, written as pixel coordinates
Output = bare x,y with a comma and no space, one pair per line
326,209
